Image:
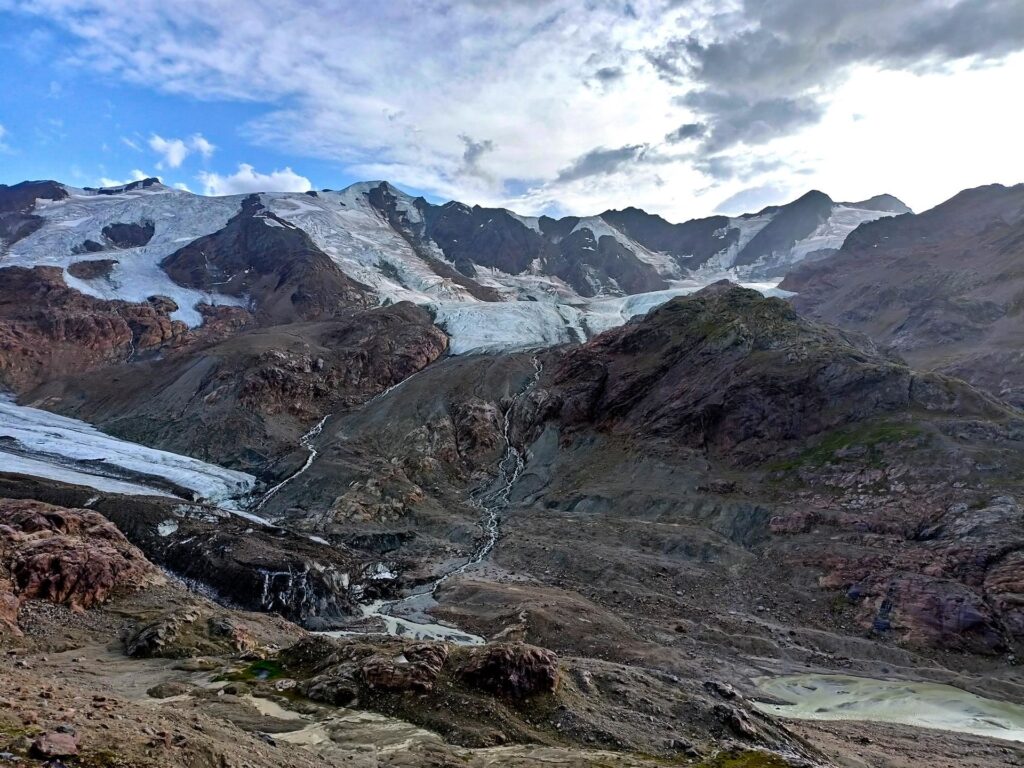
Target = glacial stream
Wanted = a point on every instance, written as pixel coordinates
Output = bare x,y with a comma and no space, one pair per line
925,705
416,625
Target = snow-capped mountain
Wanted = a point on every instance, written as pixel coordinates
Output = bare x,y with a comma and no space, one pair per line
492,278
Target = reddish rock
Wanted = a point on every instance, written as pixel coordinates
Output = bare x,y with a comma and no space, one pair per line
415,669
54,744
9,605
48,329
71,556
513,669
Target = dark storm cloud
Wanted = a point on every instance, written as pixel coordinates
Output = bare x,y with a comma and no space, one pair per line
472,154
751,77
610,74
601,161
686,131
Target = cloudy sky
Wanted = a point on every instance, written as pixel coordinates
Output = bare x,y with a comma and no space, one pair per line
682,107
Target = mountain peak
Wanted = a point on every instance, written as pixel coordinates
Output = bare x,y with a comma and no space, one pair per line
884,202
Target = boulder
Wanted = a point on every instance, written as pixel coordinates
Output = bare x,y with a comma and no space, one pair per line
517,670
72,556
416,669
55,744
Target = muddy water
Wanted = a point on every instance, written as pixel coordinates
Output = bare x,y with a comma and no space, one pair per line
926,705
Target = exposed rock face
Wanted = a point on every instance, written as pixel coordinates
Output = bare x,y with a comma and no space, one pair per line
71,556
17,203
791,223
497,239
48,329
270,260
263,388
513,669
151,181
130,235
717,370
692,242
259,568
94,269
415,669
942,287
188,633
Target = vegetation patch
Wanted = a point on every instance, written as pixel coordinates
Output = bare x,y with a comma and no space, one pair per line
863,442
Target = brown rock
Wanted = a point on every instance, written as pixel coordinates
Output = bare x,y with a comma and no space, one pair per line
55,744
71,556
416,669
513,669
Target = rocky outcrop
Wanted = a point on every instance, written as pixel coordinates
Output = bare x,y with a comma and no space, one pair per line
93,269
150,181
717,371
942,287
188,633
17,203
335,670
75,557
274,263
513,669
48,329
415,669
243,564
129,235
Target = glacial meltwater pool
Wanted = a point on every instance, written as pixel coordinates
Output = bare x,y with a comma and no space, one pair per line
926,705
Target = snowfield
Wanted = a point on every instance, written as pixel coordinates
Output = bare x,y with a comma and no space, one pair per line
43,444
178,217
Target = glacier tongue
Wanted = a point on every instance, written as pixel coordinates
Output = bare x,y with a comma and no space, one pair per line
43,444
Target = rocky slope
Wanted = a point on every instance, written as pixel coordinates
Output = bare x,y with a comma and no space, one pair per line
870,459
48,329
247,400
942,287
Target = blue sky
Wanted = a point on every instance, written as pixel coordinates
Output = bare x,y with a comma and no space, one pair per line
68,123
682,107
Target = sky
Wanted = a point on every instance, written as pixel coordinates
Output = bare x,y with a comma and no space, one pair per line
682,107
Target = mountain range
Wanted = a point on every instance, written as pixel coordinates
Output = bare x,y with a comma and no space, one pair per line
352,478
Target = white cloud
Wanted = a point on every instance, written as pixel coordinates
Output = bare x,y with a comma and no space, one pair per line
491,101
201,145
248,179
136,175
3,133
173,151
131,144
182,186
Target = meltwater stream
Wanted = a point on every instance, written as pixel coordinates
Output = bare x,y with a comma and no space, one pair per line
490,503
